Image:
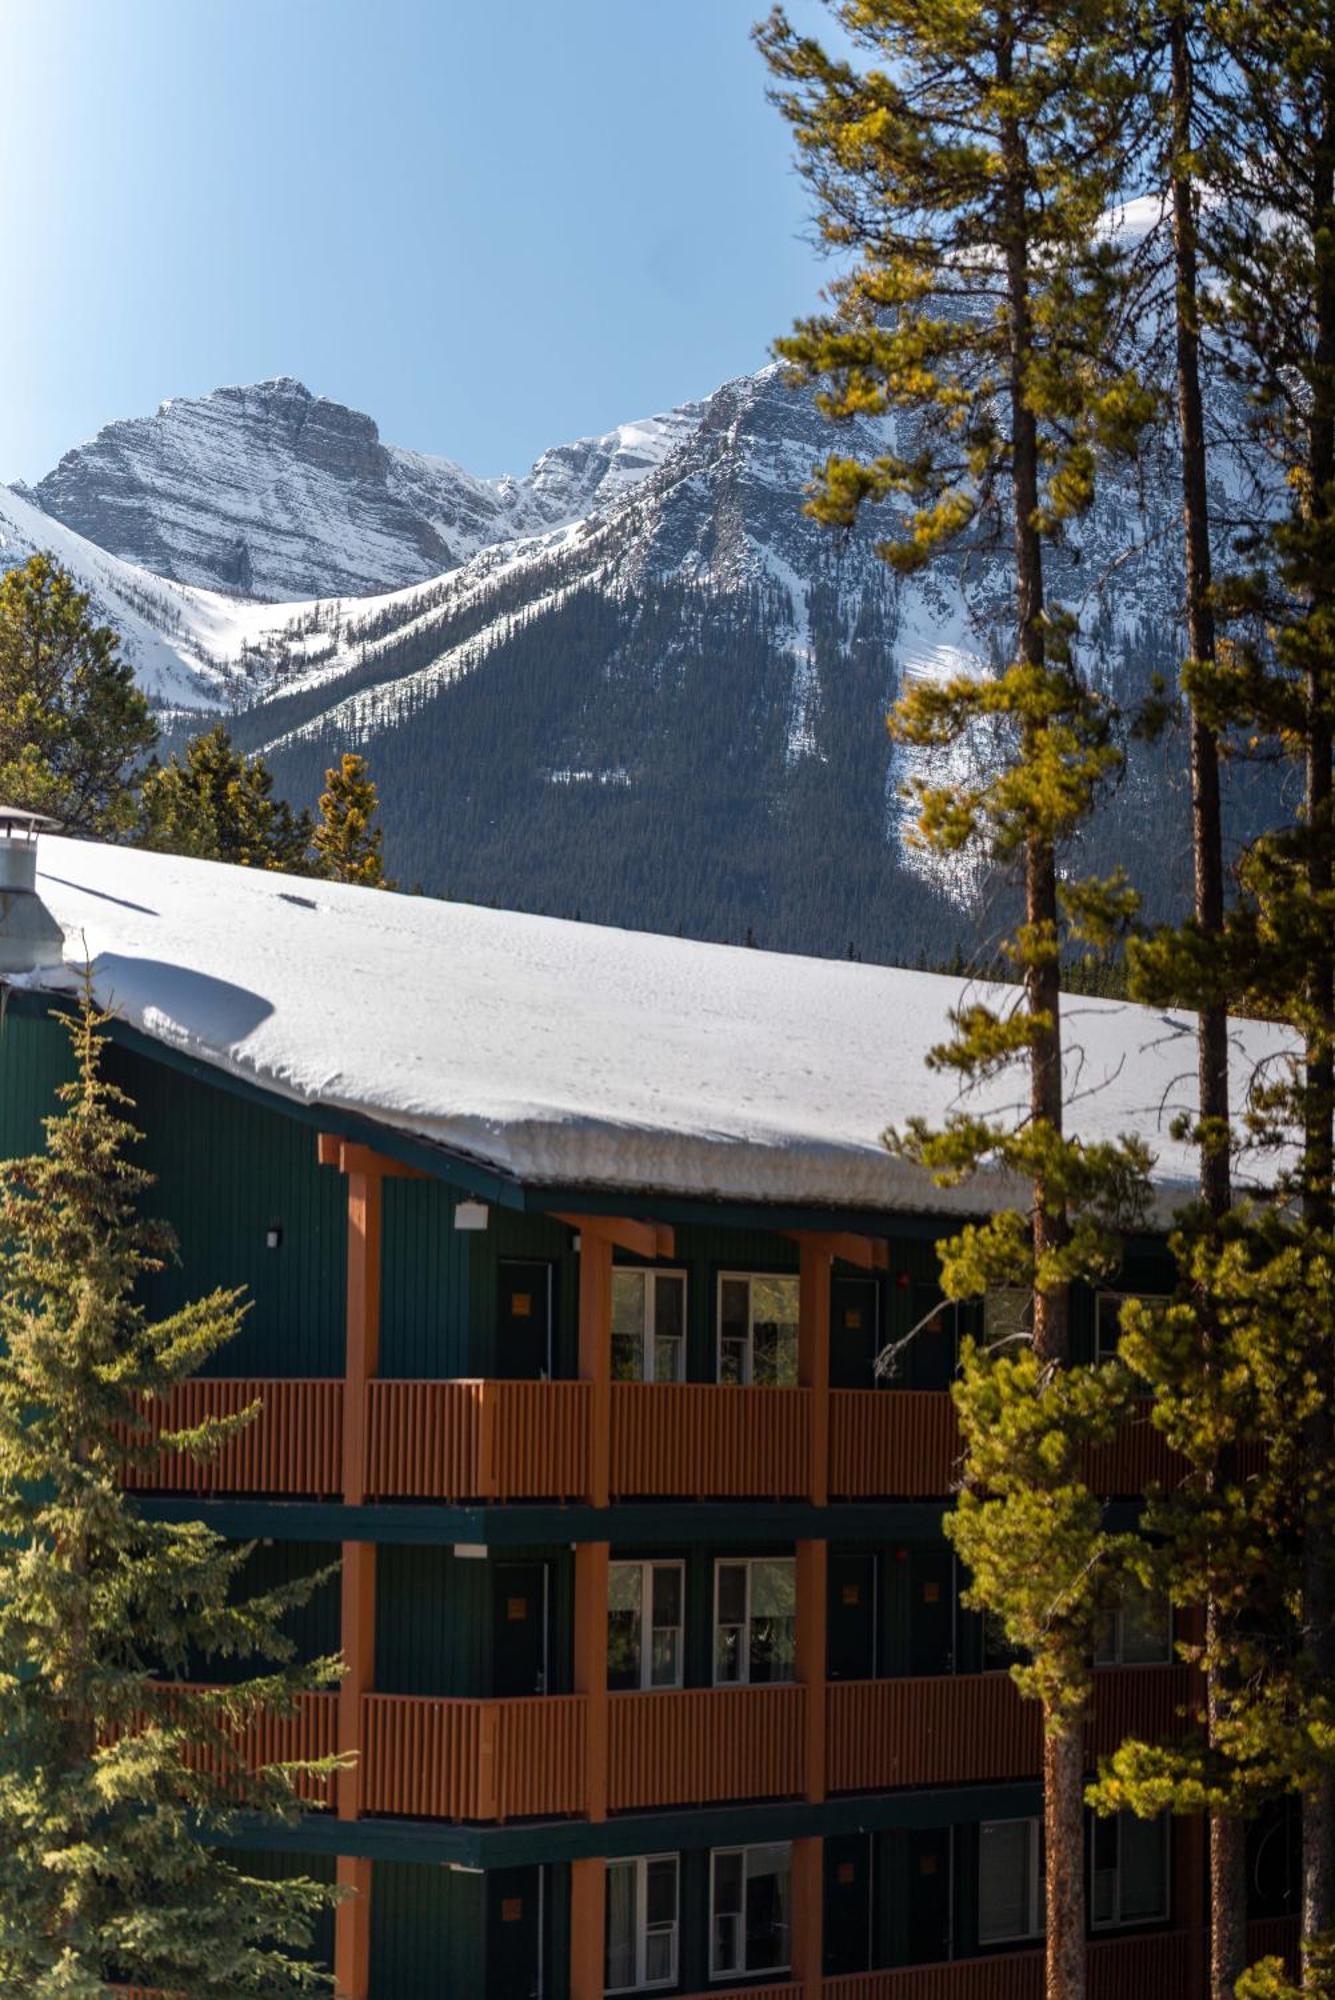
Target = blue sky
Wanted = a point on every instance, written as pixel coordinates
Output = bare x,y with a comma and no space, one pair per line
493,224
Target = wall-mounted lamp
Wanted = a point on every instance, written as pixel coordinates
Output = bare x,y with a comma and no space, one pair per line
471,1214
273,1236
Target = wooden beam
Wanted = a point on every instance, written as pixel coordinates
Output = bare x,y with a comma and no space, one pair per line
362,1356
812,1628
588,1929
807,1889
813,1356
591,1571
638,1239
352,1930
349,1157
868,1253
357,1644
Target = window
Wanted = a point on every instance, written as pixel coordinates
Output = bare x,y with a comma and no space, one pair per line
757,1338
755,1621
1136,1633
1108,1319
648,1326
1010,1881
748,1910
642,1919
644,1651
1128,1870
1007,1312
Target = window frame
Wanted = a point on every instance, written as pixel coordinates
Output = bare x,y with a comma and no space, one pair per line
647,1566
747,1563
648,1331
748,1278
1035,1912
745,1971
1118,1922
642,1863
1106,1292
1115,1658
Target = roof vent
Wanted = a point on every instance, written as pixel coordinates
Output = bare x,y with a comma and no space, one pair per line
30,937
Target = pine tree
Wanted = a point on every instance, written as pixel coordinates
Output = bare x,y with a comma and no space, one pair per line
969,165
219,806
72,721
117,1775
348,847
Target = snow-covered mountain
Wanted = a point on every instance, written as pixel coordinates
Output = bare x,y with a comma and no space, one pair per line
642,684
271,492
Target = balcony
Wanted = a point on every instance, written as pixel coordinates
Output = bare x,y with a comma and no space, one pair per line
695,1746
473,1440
473,1760
1155,1965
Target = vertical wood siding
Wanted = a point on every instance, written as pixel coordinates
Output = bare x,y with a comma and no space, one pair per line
473,1760
695,1746
696,1439
477,1440
294,1445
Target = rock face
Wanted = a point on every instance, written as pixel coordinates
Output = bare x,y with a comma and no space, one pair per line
272,493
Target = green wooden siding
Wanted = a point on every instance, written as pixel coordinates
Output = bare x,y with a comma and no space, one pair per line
34,1061
428,1932
509,1235
434,1620
426,1316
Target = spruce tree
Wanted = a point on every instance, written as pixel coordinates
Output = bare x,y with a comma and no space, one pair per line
72,721
968,165
348,848
219,805
118,1775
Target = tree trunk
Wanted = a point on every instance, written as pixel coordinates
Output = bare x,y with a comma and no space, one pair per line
1228,1840
1319,1108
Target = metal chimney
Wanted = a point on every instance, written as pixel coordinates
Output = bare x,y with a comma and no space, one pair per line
30,937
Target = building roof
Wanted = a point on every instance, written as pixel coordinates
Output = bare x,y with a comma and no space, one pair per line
573,1055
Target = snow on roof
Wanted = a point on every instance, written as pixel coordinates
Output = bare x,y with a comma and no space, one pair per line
569,1054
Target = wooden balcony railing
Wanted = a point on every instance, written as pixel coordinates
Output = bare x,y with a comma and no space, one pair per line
466,1440
946,1729
692,1746
704,1439
294,1444
1155,1965
473,1760
475,1440
305,1736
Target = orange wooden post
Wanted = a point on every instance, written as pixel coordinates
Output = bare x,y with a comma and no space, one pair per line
812,1626
352,1930
813,1355
365,1207
808,1901
591,1566
595,1356
588,1921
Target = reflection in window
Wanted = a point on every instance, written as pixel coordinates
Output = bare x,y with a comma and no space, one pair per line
748,1905
757,1340
1136,1633
1010,1881
648,1326
642,1923
1128,1865
644,1652
755,1621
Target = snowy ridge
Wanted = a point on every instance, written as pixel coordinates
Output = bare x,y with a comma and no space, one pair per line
569,1054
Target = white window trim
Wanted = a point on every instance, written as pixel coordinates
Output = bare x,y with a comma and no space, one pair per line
748,1279
742,1971
647,1626
648,1333
747,1563
641,1864
1035,1912
1145,1298
1118,1922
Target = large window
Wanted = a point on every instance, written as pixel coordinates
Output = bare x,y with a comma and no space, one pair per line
755,1620
1137,1633
748,1910
644,1624
1010,1881
1128,1871
642,1923
648,1326
757,1338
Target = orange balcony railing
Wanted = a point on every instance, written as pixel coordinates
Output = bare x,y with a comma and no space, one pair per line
473,1760
476,1440
692,1746
900,1442
704,1439
947,1729
1155,1965
306,1735
293,1445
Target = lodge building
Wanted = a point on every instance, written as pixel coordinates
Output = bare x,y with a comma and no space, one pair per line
571,1255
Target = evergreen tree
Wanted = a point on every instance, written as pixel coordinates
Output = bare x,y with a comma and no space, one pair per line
117,1775
348,848
72,721
969,165
219,806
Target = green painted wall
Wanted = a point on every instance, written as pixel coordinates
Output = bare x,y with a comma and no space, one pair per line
34,1062
428,1932
426,1320
434,1625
